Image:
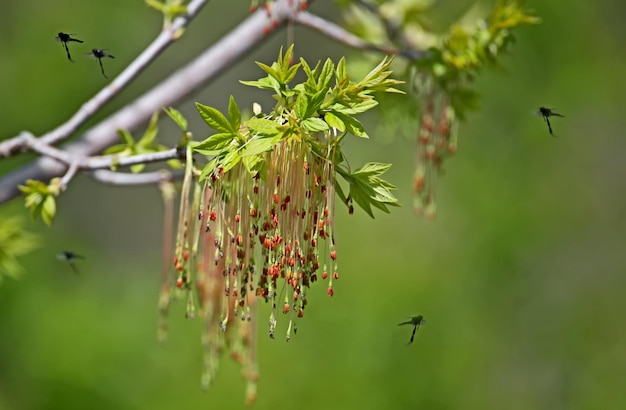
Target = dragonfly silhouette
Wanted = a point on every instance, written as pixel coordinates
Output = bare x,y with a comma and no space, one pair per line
100,53
414,321
70,257
546,113
67,38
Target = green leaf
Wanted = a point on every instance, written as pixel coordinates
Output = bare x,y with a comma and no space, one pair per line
175,164
315,102
307,69
315,125
149,136
258,145
326,76
356,108
215,119
49,209
284,61
231,159
334,121
126,137
291,73
33,199
15,241
234,114
270,71
214,143
342,70
137,168
177,117
368,190
302,103
33,186
352,125
262,126
373,168
265,83
118,149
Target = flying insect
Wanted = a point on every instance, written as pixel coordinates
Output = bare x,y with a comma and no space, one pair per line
100,53
67,38
546,113
414,321
70,257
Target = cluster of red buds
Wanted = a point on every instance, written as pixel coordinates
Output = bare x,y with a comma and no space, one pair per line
246,238
436,140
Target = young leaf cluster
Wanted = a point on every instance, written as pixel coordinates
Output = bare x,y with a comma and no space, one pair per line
318,112
41,198
147,143
465,51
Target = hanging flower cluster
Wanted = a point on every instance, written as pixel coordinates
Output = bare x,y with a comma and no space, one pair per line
443,80
436,140
256,224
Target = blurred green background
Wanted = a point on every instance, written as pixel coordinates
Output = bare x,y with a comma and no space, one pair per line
522,276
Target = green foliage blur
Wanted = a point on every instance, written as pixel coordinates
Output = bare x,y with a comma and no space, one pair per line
521,277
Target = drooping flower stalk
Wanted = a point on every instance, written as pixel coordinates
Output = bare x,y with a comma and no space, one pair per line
436,140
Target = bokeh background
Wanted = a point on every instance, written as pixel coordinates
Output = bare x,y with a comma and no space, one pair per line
522,276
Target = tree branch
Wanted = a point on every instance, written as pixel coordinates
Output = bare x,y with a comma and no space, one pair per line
69,175
145,178
97,162
179,85
167,36
76,162
341,35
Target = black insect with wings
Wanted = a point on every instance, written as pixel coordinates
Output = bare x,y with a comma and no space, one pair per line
100,53
67,38
414,321
70,257
546,113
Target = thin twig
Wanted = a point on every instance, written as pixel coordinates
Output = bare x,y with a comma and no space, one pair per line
109,161
341,35
124,178
69,175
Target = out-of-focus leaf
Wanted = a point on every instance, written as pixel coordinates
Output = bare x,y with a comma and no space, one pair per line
148,138
177,117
